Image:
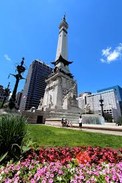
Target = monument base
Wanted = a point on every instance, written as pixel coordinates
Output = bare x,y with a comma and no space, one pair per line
52,117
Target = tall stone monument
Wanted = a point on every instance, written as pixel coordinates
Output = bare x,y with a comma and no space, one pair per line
61,90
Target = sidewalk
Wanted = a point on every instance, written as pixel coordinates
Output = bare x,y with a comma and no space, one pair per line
107,128
118,133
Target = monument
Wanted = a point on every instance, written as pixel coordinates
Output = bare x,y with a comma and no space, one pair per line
60,95
61,89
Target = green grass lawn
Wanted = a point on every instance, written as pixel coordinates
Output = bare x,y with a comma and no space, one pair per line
51,136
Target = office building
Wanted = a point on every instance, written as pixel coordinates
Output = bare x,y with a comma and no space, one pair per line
118,91
35,85
18,98
111,102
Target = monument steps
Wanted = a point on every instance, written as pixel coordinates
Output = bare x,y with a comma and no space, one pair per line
56,117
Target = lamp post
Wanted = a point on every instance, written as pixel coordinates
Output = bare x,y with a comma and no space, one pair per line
101,105
20,69
6,94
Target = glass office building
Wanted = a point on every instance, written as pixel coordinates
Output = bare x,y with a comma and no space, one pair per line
35,85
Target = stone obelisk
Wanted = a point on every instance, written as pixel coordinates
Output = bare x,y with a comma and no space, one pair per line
61,90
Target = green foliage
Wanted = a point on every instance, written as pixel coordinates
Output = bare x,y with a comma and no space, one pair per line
51,136
101,179
119,121
12,132
108,117
29,144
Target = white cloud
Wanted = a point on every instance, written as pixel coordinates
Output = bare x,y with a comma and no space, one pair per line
109,55
102,60
7,57
106,51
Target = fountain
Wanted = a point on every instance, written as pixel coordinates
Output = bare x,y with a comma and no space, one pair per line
93,119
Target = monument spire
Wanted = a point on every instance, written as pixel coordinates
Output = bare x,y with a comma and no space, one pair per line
62,40
61,88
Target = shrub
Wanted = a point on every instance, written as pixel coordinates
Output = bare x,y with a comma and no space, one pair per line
12,132
119,121
108,117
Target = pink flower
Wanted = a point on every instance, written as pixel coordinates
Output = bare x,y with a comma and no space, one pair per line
33,181
50,180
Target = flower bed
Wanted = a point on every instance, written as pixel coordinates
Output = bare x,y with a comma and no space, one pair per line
78,164
66,154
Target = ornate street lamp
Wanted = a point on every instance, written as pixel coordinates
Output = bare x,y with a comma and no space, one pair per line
101,105
6,94
20,69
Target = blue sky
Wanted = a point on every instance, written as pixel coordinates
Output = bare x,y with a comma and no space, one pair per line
30,29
